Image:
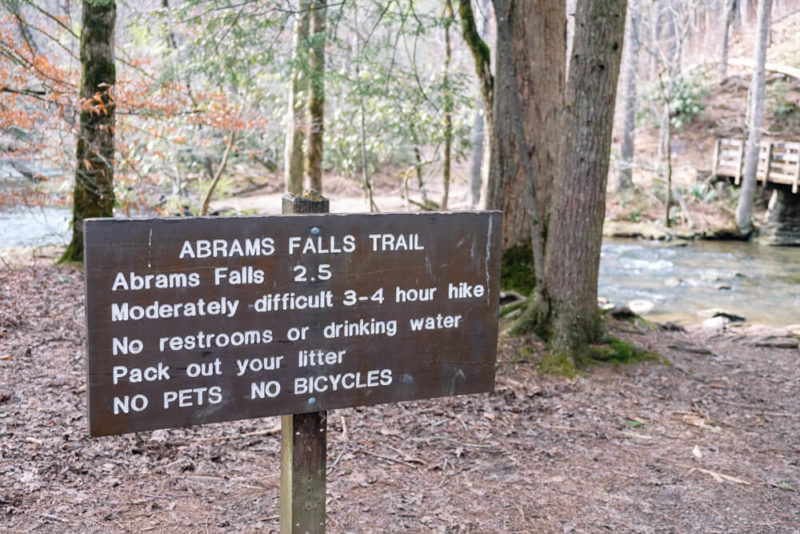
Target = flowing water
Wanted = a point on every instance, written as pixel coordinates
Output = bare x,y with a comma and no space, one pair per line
757,282
34,226
29,225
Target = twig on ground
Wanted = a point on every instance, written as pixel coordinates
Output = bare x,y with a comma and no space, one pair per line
336,461
387,458
54,518
459,443
761,411
719,477
694,349
268,432
405,455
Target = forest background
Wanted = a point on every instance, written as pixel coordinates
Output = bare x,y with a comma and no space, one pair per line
706,442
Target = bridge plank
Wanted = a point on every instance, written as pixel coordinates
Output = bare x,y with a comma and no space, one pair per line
778,161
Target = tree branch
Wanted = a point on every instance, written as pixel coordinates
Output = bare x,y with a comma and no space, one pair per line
218,174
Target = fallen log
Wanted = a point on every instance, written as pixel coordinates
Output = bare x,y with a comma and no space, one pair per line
794,72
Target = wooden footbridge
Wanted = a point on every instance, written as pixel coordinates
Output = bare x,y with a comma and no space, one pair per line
778,161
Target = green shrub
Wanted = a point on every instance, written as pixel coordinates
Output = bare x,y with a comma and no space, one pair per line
685,102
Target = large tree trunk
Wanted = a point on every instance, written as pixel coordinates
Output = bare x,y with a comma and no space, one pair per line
728,14
744,210
93,194
316,100
630,60
534,70
476,160
574,240
293,169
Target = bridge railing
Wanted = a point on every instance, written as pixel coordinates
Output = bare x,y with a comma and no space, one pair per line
778,161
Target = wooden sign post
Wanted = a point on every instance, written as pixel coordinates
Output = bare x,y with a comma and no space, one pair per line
198,320
303,439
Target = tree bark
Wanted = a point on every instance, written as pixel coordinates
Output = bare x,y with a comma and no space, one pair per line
535,71
744,210
630,60
93,193
296,131
316,100
574,240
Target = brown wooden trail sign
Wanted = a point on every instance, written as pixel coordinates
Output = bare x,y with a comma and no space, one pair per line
200,320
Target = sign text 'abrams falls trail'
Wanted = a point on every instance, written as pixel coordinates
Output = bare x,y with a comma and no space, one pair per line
199,320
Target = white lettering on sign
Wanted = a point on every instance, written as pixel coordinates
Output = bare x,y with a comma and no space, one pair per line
235,277
262,390
465,291
292,301
195,369
392,242
134,374
256,365
135,282
203,340
372,327
310,358
137,403
133,346
434,322
414,295
322,245
224,248
157,310
342,381
185,398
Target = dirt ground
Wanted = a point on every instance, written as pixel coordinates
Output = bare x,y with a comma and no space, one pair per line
708,444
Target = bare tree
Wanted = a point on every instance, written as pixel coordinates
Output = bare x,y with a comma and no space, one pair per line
316,99
297,116
476,160
447,97
744,210
729,13
629,69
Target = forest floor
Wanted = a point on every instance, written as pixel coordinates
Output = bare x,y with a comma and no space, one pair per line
708,443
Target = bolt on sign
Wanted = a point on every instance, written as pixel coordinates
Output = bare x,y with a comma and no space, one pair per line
200,320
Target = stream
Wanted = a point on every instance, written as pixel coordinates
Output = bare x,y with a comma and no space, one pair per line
34,226
759,283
